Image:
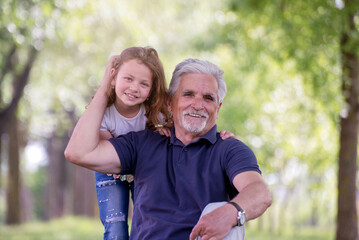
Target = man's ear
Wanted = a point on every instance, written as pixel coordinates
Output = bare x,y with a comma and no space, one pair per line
219,107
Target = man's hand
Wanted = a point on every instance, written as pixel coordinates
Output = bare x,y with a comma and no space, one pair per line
216,224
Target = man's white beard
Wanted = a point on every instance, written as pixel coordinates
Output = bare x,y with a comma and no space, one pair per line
194,128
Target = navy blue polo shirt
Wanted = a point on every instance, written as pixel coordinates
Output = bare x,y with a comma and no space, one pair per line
174,182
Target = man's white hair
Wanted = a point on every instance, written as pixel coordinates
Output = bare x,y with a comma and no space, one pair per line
192,65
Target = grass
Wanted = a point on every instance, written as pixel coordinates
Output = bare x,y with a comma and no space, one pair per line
68,228
77,228
302,234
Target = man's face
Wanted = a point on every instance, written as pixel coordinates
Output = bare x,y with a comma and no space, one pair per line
195,104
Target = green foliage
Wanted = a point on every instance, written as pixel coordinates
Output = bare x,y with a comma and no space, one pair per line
36,181
282,68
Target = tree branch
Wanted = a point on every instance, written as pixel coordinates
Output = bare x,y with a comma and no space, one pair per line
20,82
8,66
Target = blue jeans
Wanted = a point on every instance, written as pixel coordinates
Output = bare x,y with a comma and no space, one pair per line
113,200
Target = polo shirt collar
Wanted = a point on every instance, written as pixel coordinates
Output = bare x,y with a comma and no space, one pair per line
210,136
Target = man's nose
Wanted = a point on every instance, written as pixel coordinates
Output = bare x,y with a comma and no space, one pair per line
197,103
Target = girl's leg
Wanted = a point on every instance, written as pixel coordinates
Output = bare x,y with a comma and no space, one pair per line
113,199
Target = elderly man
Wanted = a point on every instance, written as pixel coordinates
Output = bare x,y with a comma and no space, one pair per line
177,176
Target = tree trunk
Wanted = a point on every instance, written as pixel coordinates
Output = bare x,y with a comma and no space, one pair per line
13,189
85,201
55,188
347,219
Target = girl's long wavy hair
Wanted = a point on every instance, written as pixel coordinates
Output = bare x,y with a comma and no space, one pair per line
156,105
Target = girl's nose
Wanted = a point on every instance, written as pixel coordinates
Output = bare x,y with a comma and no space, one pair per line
134,86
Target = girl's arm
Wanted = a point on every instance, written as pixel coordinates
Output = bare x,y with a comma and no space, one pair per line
85,147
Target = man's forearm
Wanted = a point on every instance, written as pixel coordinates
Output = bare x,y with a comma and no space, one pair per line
254,199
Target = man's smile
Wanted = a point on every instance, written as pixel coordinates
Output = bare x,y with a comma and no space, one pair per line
196,114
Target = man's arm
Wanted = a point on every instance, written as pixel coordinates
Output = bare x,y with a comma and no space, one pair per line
85,147
254,198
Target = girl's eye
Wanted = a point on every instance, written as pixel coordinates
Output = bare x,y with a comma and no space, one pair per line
145,84
128,78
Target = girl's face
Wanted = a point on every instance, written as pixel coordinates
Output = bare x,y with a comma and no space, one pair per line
133,83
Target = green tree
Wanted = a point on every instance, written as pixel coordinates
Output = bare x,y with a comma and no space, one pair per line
22,27
285,60
347,219
18,56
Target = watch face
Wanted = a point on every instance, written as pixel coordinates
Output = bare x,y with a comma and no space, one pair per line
241,218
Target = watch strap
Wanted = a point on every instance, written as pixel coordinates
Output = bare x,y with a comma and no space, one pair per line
239,209
241,215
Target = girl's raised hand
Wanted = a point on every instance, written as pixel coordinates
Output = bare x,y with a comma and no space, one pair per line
109,71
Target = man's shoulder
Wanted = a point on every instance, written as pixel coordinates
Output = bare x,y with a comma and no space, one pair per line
228,141
231,144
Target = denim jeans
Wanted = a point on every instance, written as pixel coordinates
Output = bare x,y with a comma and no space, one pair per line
113,200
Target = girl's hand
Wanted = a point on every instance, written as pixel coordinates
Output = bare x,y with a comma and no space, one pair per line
163,130
226,134
109,73
116,176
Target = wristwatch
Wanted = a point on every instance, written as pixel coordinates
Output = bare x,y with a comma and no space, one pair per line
241,215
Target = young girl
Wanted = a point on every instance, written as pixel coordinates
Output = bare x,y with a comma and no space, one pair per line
137,100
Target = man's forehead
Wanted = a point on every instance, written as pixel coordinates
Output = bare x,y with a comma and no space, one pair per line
198,91
193,80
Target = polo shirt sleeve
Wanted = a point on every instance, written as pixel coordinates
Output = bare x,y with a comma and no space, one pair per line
239,158
125,146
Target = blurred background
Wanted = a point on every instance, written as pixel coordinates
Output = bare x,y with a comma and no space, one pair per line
291,69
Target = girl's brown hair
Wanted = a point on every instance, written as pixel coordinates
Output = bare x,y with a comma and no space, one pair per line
156,105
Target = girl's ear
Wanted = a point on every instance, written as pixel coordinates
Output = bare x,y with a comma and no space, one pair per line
112,72
113,77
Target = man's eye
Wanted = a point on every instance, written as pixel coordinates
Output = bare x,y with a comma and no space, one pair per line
209,98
